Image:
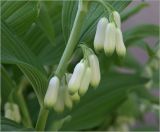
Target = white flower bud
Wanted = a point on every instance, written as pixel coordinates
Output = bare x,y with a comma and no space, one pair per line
95,70
117,19
12,112
85,81
100,34
59,105
74,82
120,47
75,97
52,92
110,39
68,100
7,106
9,114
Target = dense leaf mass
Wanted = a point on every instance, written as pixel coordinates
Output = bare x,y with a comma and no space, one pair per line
34,35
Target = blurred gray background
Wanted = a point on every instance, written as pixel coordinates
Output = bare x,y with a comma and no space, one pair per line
148,15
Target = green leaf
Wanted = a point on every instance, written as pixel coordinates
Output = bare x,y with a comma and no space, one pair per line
95,12
8,125
38,40
9,91
132,63
130,107
14,51
144,127
20,15
146,94
45,23
8,85
139,32
98,104
132,11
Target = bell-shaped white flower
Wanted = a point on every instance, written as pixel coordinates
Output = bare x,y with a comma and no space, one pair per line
75,81
100,34
110,39
85,81
52,92
120,47
117,19
95,70
75,97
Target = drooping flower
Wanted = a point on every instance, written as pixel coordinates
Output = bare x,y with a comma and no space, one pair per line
59,105
110,39
117,19
95,70
85,81
67,98
12,112
120,47
100,34
75,81
9,114
52,92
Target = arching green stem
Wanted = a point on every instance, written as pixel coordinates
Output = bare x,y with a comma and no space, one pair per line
72,42
73,39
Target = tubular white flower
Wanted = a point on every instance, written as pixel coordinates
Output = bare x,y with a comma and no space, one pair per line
120,47
85,81
110,39
117,19
59,105
100,34
95,70
67,98
52,92
75,97
74,82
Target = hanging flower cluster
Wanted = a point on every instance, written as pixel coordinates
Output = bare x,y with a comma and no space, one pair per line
57,95
11,111
68,90
86,72
109,35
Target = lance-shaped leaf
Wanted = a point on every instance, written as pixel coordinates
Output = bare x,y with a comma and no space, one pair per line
14,51
134,10
20,14
8,125
102,102
139,32
95,12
